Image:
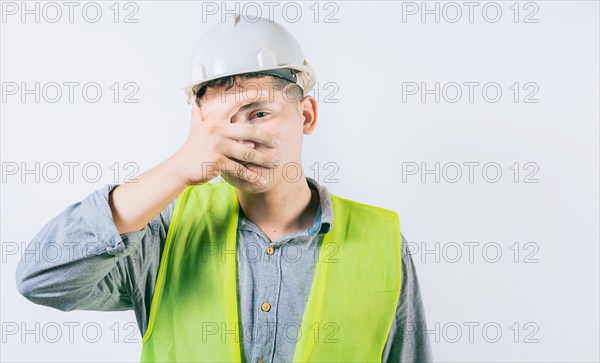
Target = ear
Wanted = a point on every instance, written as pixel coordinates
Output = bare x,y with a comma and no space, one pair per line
308,109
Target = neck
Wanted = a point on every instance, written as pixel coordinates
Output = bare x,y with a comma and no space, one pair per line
289,207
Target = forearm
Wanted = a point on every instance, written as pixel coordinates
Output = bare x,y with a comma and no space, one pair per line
135,203
73,253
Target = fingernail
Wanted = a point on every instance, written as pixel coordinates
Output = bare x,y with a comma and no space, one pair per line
262,181
278,142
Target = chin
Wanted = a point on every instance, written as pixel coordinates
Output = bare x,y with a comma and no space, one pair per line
245,185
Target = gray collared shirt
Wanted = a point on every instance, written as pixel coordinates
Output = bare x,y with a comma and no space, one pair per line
100,269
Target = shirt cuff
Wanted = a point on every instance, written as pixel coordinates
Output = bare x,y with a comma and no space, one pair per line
97,213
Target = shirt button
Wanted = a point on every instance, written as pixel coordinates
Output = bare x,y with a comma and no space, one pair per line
265,307
270,250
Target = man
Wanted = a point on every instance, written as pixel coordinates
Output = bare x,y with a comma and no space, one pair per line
264,266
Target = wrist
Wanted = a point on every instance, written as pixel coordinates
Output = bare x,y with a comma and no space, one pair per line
174,171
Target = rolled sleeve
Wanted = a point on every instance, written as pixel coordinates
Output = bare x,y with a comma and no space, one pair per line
95,210
97,268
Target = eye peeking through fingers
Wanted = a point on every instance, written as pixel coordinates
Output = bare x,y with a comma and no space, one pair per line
259,115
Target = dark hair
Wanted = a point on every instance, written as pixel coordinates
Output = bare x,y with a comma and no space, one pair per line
294,92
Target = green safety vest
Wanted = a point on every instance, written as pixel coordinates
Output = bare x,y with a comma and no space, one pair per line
350,308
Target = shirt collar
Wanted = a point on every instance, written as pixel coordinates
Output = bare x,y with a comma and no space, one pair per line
323,220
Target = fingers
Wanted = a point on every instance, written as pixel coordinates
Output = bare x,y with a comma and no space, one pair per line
196,112
251,133
233,168
248,143
225,105
246,154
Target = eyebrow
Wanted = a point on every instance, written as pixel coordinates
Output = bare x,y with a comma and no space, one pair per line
256,104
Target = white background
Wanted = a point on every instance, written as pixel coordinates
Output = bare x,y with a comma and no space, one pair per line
370,133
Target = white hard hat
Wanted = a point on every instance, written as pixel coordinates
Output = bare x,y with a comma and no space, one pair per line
249,44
